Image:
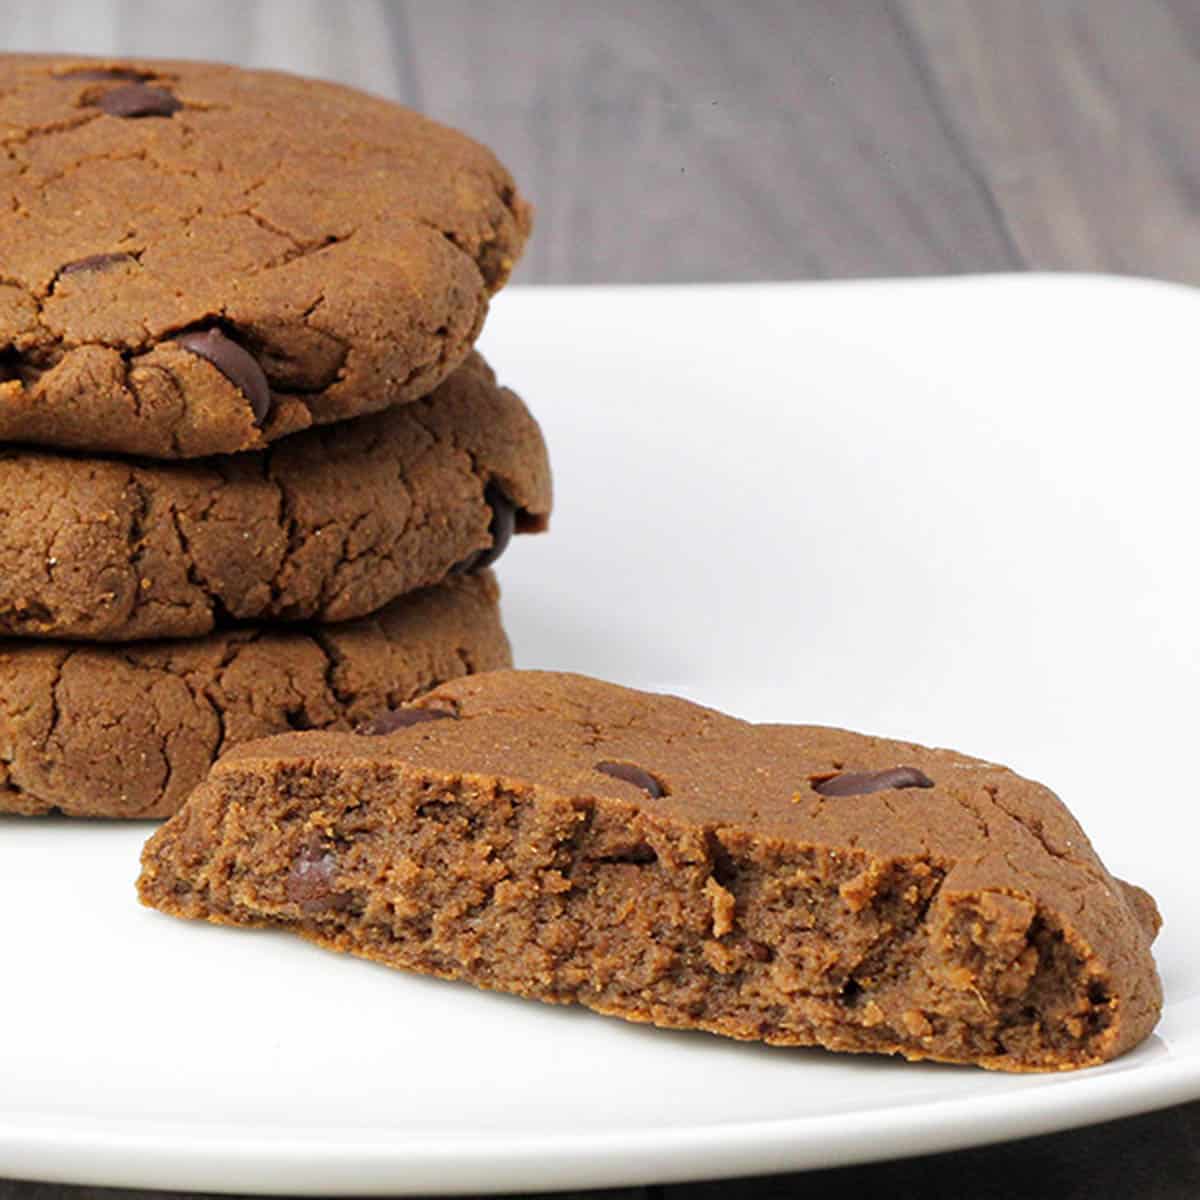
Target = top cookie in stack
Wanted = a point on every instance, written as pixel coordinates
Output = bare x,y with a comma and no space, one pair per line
237,384
199,260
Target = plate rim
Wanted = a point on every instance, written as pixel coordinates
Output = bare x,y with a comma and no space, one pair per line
173,1157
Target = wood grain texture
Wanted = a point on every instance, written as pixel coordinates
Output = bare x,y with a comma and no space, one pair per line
1082,117
698,140
695,140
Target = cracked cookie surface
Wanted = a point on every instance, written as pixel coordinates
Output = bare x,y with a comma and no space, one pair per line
344,245
569,840
328,525
128,731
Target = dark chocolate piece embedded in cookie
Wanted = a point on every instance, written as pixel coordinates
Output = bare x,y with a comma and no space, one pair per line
863,783
573,841
239,367
500,529
93,262
137,100
328,525
348,245
631,774
400,718
129,731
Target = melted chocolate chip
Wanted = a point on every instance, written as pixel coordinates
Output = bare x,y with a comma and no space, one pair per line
89,73
631,774
310,881
504,520
93,262
138,100
237,365
862,783
400,718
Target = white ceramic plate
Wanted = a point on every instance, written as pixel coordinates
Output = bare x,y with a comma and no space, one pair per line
957,511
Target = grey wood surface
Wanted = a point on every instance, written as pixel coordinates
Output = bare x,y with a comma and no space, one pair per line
699,140
703,140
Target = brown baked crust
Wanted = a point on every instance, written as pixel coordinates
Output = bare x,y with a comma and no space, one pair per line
965,921
129,731
328,525
349,244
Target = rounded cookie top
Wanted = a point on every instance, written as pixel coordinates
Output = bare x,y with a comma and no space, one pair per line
328,525
199,259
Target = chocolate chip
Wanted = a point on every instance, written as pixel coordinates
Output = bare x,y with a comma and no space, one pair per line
93,262
400,718
631,774
89,73
504,520
237,365
138,100
861,783
310,881
504,513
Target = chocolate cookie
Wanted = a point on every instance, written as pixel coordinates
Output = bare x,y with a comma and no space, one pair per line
328,525
199,259
128,731
569,840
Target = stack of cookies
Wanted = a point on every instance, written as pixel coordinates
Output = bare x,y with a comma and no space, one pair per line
253,474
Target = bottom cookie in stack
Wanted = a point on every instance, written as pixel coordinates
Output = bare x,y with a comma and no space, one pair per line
129,730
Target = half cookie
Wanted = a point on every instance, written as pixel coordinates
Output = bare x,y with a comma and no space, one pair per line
565,839
128,731
328,525
199,259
